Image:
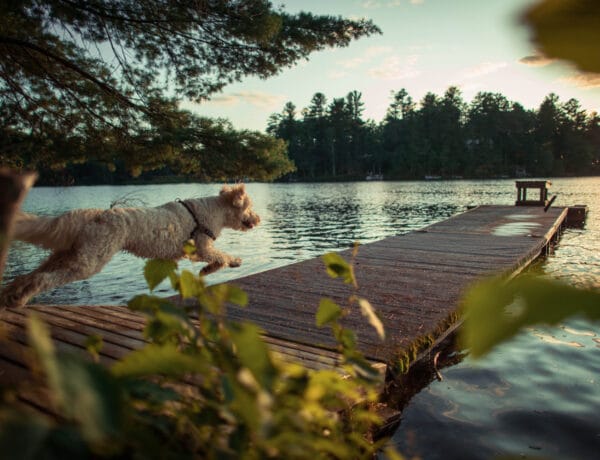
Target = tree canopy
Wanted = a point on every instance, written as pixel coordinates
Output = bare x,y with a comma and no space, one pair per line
440,136
101,79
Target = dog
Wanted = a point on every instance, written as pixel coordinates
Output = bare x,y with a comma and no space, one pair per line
83,241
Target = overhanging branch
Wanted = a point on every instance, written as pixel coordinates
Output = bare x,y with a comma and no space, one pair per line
106,88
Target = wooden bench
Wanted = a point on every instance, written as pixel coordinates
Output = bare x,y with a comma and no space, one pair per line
542,187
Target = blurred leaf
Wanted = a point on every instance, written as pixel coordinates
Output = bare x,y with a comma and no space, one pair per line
237,296
347,339
567,29
391,454
83,391
369,312
189,286
94,344
151,392
495,311
189,247
157,270
91,396
39,338
22,435
362,367
253,352
150,304
164,326
158,360
328,312
337,267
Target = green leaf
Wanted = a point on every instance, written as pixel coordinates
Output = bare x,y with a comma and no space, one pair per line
22,434
369,312
158,360
189,247
189,286
157,270
82,391
496,311
148,304
165,325
151,392
90,395
567,29
237,296
347,339
40,340
328,312
336,267
363,368
94,344
253,352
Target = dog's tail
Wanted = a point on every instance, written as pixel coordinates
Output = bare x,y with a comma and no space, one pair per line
48,232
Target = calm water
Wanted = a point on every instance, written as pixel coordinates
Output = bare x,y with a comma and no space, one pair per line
537,396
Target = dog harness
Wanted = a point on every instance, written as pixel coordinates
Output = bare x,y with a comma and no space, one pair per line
199,227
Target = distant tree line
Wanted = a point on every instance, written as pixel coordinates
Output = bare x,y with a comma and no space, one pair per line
440,136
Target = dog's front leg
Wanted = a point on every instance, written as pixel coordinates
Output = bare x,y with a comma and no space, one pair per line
216,259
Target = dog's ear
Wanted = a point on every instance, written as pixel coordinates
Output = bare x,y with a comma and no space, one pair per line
235,194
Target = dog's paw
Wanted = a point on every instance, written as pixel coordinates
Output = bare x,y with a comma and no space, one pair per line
235,262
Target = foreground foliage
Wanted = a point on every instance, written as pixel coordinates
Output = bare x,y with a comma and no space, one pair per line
567,29
496,310
202,387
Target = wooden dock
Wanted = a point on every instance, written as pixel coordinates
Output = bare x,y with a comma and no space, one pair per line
414,281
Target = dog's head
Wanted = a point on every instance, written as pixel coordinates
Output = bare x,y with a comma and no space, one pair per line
240,215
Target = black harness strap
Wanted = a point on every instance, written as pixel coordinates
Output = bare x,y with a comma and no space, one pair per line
199,227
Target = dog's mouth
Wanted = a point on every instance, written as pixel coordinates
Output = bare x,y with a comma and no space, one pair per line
250,221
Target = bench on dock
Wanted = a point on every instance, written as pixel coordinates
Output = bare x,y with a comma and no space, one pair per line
540,185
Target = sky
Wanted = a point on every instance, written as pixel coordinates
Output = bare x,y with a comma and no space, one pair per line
426,46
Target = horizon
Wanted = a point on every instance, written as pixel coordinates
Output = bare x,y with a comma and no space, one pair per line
483,47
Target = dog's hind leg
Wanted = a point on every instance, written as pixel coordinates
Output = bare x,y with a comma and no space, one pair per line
60,268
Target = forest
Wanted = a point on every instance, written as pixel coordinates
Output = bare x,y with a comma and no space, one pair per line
438,137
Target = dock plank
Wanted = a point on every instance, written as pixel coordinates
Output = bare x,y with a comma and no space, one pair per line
414,281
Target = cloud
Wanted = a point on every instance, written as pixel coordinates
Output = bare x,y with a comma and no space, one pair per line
352,63
536,60
394,68
376,51
369,54
255,98
337,74
485,68
583,80
372,4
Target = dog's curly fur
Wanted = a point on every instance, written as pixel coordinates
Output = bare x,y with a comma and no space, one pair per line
84,240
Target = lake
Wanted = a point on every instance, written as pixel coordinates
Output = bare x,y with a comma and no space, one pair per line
537,396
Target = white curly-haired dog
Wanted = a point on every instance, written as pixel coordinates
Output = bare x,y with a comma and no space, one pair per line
84,240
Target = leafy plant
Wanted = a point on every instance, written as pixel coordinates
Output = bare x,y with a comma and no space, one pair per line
202,387
496,310
567,29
